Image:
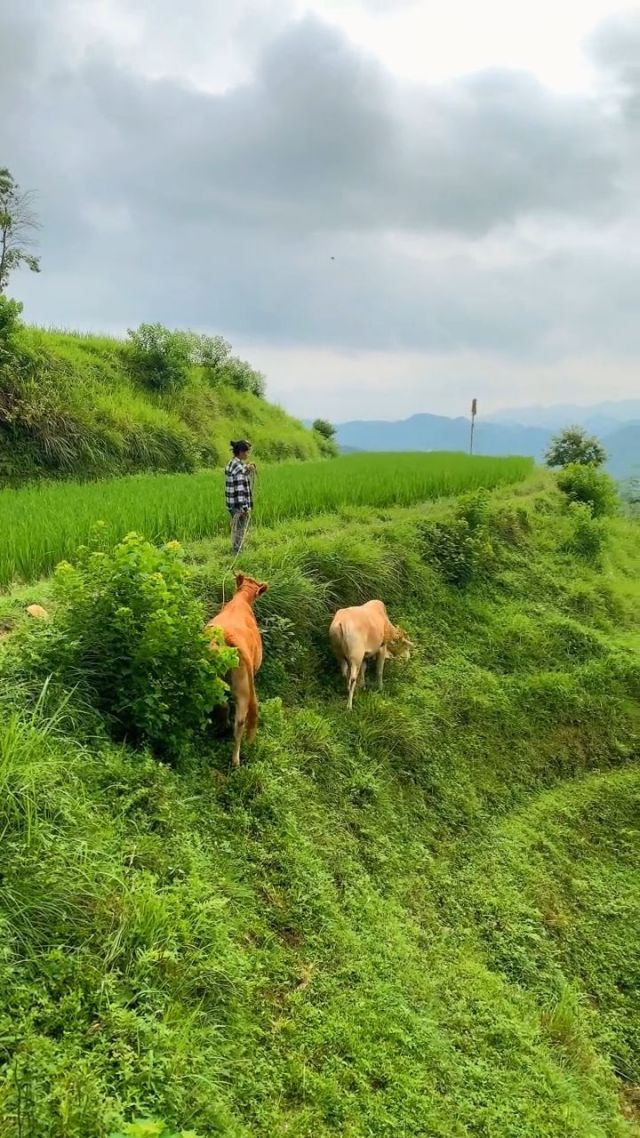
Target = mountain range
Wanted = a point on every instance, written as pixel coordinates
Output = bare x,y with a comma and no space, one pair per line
526,430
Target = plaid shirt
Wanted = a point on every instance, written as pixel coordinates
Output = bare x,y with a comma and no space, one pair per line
237,487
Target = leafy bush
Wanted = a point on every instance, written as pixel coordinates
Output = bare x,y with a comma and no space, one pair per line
574,445
239,375
588,534
158,358
148,1128
595,488
324,428
128,632
473,507
208,352
10,323
460,549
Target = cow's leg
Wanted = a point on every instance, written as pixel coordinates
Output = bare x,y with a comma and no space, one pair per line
380,662
241,693
362,678
355,667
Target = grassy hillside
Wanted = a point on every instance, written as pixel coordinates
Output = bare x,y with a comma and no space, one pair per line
420,919
44,523
71,407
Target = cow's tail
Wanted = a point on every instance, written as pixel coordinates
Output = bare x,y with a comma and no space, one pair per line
252,708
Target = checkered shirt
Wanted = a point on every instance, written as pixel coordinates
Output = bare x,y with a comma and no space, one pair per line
237,486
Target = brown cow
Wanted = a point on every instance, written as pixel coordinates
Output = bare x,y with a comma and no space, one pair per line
362,632
241,631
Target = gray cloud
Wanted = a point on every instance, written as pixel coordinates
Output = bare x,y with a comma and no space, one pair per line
223,210
616,47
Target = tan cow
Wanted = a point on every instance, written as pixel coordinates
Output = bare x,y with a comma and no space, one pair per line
362,632
241,631
38,612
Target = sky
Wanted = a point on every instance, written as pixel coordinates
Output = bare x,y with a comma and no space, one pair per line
388,206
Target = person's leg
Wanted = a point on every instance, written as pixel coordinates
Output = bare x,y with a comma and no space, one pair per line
239,524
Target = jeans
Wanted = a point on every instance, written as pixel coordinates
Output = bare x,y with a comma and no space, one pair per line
239,523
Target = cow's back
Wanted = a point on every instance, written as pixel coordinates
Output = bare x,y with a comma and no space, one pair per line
240,631
359,627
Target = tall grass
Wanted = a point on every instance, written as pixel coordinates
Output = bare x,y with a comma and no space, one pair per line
44,523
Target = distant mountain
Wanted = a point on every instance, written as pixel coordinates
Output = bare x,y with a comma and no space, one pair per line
437,432
600,418
623,448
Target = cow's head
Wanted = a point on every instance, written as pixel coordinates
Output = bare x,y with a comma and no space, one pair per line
399,646
252,588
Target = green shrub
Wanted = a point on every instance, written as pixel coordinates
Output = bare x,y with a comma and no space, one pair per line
208,352
460,549
148,1128
9,324
158,358
582,483
324,428
588,534
241,376
129,633
473,508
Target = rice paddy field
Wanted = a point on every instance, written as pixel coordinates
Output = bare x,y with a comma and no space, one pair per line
42,524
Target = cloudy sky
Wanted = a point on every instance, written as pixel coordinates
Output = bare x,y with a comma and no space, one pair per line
388,205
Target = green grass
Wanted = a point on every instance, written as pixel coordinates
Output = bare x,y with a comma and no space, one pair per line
45,523
420,919
76,412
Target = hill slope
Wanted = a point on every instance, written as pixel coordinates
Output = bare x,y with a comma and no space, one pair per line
422,918
71,407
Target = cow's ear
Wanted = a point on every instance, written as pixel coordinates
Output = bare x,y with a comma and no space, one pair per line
263,588
239,579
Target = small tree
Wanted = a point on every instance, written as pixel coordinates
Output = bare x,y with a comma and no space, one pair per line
574,445
18,223
325,428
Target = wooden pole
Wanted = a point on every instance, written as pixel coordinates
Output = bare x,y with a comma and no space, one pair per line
474,412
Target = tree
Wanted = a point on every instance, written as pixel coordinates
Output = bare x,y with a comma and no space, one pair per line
324,428
574,445
18,223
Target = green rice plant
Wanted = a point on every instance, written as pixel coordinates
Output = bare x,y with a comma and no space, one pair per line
45,523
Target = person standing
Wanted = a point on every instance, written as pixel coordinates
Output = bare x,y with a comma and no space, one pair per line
238,491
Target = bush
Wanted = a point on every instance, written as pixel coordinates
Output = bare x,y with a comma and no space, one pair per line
574,445
208,352
10,323
241,376
588,534
459,553
158,358
128,631
324,428
460,549
595,488
147,1128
